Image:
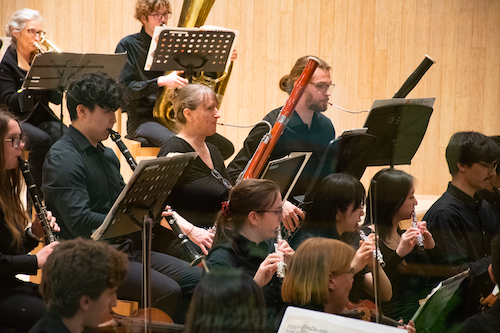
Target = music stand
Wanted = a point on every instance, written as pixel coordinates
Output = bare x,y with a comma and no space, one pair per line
140,205
191,50
399,129
56,71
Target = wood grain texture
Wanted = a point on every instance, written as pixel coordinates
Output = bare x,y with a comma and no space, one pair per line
372,46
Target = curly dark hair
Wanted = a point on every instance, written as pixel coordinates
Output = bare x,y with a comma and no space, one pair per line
95,89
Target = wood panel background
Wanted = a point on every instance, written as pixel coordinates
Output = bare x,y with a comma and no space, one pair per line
372,45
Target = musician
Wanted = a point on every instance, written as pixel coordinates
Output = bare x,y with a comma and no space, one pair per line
335,213
307,131
407,267
82,181
463,224
145,85
492,193
227,301
245,237
20,302
489,320
79,285
38,122
198,193
320,277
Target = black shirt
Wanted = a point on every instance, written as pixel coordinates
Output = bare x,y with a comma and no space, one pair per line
296,137
80,183
49,324
486,322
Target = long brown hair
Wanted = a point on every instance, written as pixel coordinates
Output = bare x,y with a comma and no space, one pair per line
10,188
249,195
287,81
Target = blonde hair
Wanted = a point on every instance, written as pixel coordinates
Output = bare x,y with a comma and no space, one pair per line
190,97
306,280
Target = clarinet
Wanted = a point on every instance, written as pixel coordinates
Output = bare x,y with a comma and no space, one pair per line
195,256
376,252
420,238
41,210
115,136
281,264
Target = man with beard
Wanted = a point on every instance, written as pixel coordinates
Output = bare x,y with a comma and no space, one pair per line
463,224
307,131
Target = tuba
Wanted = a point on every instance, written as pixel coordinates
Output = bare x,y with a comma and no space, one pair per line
194,14
46,45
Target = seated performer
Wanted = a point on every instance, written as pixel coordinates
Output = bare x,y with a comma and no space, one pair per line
203,185
227,301
307,131
407,267
145,85
245,237
320,277
335,213
463,224
82,181
489,320
79,285
39,124
492,193
20,303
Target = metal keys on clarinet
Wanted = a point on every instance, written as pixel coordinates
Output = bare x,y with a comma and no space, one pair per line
281,264
41,210
420,238
376,252
195,256
115,136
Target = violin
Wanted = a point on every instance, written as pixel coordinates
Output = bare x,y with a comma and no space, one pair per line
366,310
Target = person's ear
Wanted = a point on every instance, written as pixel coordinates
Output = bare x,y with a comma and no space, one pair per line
188,115
81,111
253,218
331,282
85,302
461,166
490,272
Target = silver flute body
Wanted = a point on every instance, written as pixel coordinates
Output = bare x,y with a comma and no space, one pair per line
281,264
376,252
41,210
420,238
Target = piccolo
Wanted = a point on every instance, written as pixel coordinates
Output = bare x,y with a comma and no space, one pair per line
196,258
41,210
420,238
376,252
281,264
115,136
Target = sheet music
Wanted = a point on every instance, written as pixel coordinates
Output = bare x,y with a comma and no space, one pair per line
298,320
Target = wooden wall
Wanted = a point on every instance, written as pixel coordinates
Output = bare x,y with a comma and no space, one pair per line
372,45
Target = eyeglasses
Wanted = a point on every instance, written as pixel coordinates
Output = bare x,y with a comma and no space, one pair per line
350,271
277,212
489,166
323,87
216,174
33,33
159,16
16,142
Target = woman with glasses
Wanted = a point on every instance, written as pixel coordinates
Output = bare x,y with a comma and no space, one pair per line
335,213
407,267
31,107
246,234
20,303
203,185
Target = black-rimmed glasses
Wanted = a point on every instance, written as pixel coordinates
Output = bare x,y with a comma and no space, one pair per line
489,166
159,16
33,33
278,212
16,142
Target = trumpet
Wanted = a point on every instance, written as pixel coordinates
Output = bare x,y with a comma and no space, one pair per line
376,252
281,264
420,238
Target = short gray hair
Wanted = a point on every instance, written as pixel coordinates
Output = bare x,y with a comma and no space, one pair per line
17,21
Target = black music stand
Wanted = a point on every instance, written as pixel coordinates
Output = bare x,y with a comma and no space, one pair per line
56,71
140,205
191,50
400,130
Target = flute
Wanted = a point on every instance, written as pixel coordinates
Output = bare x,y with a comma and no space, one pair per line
420,238
281,264
41,210
376,252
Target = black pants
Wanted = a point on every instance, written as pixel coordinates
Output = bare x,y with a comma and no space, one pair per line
20,308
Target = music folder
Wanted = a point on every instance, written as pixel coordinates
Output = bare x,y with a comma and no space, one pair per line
286,171
145,194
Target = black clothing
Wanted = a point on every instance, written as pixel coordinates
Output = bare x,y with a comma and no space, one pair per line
493,199
21,304
31,107
246,255
486,322
296,137
81,183
49,324
143,88
463,228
